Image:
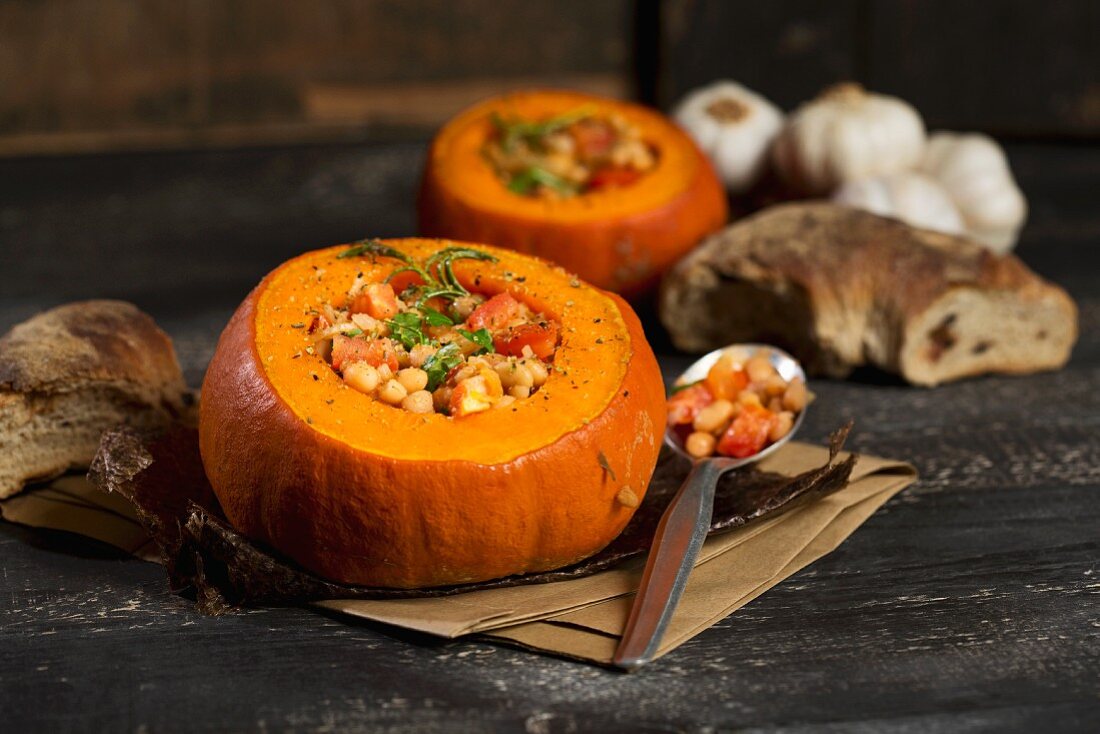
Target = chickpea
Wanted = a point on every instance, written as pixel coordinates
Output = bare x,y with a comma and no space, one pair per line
714,417
782,425
420,353
775,405
748,397
361,376
507,373
392,392
465,372
384,372
505,402
700,444
794,399
759,369
412,379
775,385
465,305
519,391
419,401
539,373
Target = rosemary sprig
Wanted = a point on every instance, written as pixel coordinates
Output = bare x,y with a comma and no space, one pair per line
514,130
526,180
375,248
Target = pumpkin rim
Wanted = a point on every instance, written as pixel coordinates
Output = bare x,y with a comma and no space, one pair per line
462,171
585,379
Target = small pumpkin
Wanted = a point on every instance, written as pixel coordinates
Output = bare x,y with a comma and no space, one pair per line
846,134
914,199
361,492
735,127
974,171
619,230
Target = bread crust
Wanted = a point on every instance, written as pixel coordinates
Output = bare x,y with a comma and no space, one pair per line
842,288
71,372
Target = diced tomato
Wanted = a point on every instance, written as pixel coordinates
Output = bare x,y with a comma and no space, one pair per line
724,381
593,138
495,314
541,337
686,404
377,300
613,177
748,433
404,279
375,352
470,396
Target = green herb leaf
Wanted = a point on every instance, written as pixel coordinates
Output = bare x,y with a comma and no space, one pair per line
439,364
374,248
435,318
482,337
526,180
406,328
680,388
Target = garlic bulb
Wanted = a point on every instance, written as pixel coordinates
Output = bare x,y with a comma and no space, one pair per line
974,171
844,135
734,126
910,197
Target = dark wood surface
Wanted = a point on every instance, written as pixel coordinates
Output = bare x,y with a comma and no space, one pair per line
1003,66
969,602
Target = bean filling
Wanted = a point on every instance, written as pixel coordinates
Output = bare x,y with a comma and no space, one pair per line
422,342
568,155
741,407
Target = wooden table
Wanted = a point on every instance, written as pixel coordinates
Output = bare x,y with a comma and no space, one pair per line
970,601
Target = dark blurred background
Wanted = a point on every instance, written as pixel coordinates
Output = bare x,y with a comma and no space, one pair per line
88,76
172,151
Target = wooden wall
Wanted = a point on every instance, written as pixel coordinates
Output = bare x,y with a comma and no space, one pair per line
1011,67
81,75
102,75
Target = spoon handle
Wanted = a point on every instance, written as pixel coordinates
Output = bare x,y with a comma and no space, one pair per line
679,537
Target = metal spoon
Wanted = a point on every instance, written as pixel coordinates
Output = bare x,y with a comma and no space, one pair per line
684,526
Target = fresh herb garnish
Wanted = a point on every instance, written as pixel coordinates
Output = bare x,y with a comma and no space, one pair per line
680,388
406,328
529,178
439,364
514,130
374,248
482,337
435,318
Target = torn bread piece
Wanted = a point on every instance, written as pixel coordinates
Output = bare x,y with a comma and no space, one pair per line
68,374
840,288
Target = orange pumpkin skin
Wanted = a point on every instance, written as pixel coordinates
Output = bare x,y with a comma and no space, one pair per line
620,239
362,493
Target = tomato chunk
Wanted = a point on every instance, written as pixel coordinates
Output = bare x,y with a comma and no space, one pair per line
404,279
686,404
471,396
495,314
375,352
541,337
725,381
748,433
613,177
593,138
377,300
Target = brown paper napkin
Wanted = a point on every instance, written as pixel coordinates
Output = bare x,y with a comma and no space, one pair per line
578,618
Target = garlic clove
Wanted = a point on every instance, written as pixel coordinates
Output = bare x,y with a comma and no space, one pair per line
734,127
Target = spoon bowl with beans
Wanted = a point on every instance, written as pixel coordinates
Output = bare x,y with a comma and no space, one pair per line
732,407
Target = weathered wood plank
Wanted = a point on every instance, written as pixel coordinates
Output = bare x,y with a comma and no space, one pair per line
968,602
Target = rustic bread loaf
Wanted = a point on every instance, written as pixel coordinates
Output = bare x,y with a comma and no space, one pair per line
68,374
840,288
